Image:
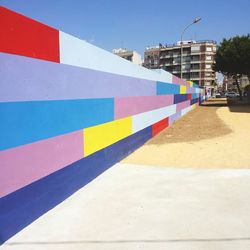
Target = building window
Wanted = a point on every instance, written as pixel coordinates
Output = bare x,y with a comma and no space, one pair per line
209,58
195,48
209,49
208,66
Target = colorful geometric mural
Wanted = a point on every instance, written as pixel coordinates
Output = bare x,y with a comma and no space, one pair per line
69,111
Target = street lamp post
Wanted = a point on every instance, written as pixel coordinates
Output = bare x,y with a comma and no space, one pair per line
196,20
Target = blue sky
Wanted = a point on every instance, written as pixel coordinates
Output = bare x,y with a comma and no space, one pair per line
135,24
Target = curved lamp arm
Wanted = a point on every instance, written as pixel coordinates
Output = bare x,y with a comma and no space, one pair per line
196,20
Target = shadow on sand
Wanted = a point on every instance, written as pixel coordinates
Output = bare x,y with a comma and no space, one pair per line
234,105
218,102
242,108
200,124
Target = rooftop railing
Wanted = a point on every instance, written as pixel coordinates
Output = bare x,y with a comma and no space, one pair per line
160,46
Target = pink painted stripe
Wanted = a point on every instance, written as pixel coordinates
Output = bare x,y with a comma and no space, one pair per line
182,105
126,106
177,80
23,165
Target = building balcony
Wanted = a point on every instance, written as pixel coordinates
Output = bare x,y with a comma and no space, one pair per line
209,78
176,63
209,52
168,63
186,54
166,56
195,78
195,60
195,52
195,70
208,70
185,70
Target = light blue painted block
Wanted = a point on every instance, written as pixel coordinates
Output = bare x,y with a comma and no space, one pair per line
163,88
26,122
146,119
74,51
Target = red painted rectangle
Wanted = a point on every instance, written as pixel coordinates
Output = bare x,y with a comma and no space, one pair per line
159,126
189,96
23,36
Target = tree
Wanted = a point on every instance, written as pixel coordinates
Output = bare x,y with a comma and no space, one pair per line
233,58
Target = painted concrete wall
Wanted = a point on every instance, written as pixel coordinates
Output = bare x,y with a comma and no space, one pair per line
69,111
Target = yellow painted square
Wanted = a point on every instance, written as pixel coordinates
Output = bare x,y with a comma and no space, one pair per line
103,135
183,90
191,84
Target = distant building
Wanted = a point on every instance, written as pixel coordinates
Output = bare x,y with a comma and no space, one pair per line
129,55
197,60
229,83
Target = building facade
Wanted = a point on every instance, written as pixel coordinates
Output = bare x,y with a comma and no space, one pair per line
197,60
129,55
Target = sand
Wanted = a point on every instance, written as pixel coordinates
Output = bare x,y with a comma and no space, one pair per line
211,136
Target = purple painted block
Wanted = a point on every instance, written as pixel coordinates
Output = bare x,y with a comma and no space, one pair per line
189,90
29,79
192,90
174,117
177,80
182,105
127,106
23,165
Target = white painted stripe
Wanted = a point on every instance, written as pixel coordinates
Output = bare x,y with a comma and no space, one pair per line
186,110
146,119
76,52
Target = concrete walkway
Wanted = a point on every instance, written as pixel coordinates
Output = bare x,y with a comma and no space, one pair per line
144,207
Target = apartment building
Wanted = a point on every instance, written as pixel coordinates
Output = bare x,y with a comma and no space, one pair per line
197,60
129,55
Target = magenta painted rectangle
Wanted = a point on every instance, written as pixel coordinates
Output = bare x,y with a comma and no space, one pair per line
23,165
182,105
177,80
127,106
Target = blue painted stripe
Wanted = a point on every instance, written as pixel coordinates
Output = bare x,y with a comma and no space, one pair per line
26,122
193,101
22,207
180,98
194,96
167,88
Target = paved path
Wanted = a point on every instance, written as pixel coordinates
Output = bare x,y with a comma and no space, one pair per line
143,207
138,206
